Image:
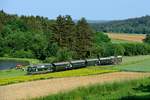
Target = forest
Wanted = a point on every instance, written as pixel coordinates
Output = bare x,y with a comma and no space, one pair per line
61,39
139,25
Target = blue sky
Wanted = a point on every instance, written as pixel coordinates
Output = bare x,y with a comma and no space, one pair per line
90,9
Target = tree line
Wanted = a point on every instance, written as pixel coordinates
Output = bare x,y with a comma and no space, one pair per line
133,25
58,40
38,37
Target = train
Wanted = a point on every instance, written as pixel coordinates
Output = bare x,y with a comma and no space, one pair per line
74,64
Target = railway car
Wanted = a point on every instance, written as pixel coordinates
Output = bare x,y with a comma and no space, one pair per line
92,62
41,68
106,61
61,66
78,64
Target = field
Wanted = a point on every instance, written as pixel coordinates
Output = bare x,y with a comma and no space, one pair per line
34,89
125,90
135,63
125,38
16,76
131,68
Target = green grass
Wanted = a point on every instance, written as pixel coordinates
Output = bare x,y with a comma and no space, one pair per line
138,64
31,61
11,73
135,63
120,41
128,90
20,76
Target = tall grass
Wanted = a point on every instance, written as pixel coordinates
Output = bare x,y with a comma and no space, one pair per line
129,90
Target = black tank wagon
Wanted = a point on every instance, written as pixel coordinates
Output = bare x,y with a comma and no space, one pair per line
62,66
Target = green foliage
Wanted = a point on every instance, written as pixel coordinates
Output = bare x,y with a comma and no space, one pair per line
98,50
135,25
41,38
50,60
23,54
84,38
53,49
113,49
136,49
64,54
100,37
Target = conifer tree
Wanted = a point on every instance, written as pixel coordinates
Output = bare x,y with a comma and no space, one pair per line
83,38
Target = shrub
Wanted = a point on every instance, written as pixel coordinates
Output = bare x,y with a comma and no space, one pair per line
50,60
101,38
113,50
23,54
64,54
136,49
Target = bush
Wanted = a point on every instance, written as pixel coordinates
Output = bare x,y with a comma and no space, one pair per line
101,38
132,49
98,50
23,54
113,50
50,60
64,54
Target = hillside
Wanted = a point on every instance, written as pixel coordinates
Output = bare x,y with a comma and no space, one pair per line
133,25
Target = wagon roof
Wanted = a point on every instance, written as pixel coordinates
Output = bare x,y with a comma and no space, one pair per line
76,61
92,59
61,63
40,65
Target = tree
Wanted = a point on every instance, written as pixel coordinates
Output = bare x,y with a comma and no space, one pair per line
64,29
83,39
58,29
70,32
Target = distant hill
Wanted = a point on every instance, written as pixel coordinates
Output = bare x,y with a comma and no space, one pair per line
140,25
94,21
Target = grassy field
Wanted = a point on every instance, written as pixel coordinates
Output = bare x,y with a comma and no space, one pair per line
125,38
138,64
31,61
16,76
135,63
128,90
120,41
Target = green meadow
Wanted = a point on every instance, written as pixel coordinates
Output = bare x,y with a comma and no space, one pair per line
134,63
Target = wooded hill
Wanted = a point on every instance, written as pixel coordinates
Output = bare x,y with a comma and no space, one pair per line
139,25
38,37
58,40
